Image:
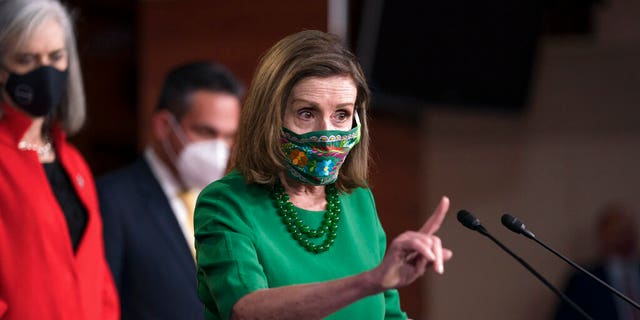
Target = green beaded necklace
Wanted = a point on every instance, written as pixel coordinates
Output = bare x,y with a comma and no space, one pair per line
301,232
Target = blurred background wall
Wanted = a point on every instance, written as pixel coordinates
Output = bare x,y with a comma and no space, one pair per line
528,107
553,165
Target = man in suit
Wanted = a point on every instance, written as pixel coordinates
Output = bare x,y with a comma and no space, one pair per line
147,207
619,266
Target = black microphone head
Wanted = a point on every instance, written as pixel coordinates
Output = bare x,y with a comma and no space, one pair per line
512,223
515,225
469,220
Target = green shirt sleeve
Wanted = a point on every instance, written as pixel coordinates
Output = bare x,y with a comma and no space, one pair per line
228,266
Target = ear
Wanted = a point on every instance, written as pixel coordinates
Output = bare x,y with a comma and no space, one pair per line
161,125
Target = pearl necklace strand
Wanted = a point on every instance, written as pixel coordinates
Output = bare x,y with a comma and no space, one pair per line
42,150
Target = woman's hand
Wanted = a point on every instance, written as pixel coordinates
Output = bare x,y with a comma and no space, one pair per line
412,252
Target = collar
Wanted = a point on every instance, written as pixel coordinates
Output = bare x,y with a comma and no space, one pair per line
169,184
16,124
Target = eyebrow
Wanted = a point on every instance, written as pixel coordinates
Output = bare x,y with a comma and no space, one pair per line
19,52
341,105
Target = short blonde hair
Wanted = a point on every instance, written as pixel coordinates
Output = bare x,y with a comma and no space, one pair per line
257,153
18,19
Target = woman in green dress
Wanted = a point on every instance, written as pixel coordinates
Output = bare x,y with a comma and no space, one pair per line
292,231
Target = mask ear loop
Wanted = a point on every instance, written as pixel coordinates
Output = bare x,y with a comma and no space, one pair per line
182,136
356,119
168,148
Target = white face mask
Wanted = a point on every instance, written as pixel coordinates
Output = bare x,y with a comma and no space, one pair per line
199,163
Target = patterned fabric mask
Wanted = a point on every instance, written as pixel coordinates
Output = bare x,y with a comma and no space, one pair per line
316,157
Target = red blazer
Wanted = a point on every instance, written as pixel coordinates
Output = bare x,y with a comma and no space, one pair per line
40,277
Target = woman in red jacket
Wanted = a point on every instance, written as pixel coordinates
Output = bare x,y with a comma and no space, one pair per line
52,263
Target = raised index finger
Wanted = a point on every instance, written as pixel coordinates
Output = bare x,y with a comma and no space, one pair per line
435,220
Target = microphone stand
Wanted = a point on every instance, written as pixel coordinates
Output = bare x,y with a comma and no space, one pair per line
573,264
514,224
561,295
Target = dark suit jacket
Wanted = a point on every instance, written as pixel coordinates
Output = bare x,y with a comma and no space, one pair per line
151,263
593,298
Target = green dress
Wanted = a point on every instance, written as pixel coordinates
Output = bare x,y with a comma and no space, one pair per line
242,246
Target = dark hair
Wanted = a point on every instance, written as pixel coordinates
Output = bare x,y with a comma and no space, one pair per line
185,79
257,154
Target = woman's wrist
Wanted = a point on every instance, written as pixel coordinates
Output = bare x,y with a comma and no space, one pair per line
370,282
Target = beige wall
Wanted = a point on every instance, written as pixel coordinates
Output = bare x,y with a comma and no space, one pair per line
576,147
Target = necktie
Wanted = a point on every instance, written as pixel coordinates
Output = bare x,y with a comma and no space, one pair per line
188,198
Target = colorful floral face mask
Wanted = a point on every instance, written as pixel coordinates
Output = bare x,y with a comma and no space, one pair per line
316,157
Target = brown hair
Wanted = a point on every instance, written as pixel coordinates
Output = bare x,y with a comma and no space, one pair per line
257,155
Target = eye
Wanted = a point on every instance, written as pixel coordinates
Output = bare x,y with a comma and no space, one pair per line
25,59
342,115
57,55
206,132
305,114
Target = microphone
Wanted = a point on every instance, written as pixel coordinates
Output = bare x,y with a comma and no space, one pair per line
516,226
513,224
470,221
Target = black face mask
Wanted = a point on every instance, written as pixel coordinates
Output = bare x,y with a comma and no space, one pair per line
37,92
